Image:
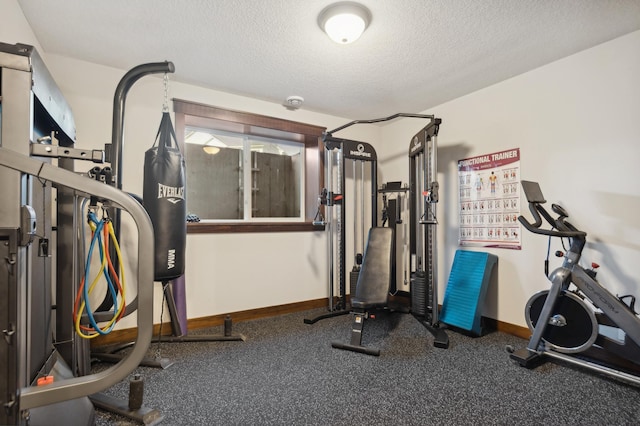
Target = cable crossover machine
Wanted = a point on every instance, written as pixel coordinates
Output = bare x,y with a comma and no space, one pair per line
423,196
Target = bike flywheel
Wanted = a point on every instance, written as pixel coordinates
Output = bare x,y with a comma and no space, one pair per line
572,326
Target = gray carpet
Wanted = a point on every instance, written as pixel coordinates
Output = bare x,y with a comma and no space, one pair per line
287,373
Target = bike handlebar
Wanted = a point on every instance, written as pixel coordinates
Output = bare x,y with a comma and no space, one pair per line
561,228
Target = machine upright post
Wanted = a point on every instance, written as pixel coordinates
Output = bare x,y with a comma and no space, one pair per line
423,194
330,224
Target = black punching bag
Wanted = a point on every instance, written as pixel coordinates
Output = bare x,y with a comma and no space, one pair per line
164,199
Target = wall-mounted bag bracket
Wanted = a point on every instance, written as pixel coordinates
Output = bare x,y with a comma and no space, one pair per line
54,151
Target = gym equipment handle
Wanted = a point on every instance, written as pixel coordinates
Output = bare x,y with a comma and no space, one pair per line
378,120
536,209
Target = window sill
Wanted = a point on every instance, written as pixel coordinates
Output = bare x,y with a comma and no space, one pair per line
225,228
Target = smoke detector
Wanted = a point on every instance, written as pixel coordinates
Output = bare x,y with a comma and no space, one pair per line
294,102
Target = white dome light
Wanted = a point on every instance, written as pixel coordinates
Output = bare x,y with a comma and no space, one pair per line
344,22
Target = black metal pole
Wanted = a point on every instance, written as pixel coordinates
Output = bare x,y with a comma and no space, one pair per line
117,144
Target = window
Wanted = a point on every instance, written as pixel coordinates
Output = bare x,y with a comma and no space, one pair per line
233,176
247,172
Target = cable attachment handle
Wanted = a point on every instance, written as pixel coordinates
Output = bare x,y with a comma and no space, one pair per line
319,220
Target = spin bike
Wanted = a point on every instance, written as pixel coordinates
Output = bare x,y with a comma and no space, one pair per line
578,320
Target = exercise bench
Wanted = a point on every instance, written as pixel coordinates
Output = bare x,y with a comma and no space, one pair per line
372,288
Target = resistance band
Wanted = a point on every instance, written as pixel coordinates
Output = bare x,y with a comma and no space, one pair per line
101,232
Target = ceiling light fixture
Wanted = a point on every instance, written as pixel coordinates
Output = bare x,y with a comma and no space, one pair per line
211,150
344,22
213,145
294,102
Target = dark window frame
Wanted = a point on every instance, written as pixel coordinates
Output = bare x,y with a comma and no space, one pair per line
189,113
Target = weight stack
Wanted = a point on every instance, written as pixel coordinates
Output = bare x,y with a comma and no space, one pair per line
419,294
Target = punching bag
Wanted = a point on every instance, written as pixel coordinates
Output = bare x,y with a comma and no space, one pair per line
164,199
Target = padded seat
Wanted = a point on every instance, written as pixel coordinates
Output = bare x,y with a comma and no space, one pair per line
372,287
374,279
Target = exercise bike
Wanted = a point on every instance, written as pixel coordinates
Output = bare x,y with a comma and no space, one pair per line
577,320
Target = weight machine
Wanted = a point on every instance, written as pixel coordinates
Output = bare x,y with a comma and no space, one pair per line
423,196
45,364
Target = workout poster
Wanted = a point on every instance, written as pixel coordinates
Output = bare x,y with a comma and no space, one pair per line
490,200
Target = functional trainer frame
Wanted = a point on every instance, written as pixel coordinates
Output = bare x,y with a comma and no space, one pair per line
423,196
372,291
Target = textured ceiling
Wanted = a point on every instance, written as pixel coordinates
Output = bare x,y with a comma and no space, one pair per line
415,54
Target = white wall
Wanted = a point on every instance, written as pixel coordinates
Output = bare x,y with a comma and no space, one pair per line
576,124
575,121
14,27
224,272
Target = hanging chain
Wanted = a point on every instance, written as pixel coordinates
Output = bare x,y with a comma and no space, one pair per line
165,105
